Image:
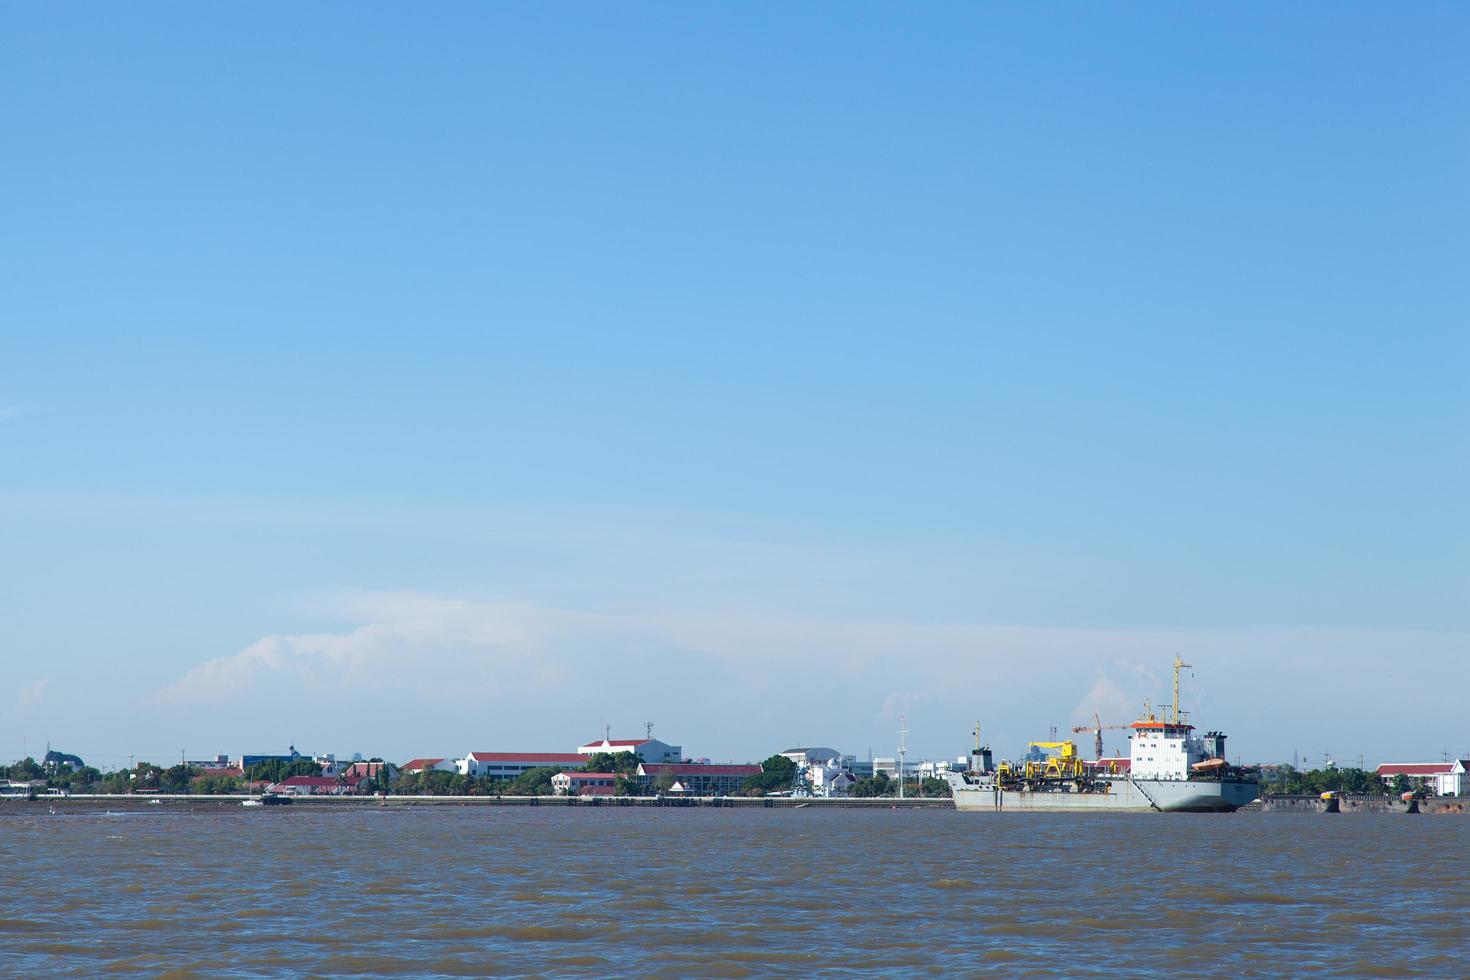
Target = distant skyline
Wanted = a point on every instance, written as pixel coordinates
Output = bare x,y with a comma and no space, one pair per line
425,384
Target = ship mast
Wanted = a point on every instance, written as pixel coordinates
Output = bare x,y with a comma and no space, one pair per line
1178,664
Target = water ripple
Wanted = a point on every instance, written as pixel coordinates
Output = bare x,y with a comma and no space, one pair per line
476,892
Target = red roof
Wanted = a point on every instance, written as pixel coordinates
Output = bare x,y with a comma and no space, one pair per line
318,781
697,769
1122,762
422,763
577,776
540,758
1415,768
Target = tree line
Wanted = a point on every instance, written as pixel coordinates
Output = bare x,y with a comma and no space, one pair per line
1285,780
777,775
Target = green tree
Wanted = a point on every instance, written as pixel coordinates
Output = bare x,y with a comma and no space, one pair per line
214,785
83,780
533,782
26,768
146,776
175,779
879,784
776,775
930,786
621,762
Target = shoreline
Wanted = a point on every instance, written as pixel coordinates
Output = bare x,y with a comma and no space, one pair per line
199,803
104,801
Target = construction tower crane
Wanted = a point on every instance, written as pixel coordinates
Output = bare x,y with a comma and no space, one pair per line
1097,728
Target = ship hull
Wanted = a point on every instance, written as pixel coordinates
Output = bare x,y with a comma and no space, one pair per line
1118,795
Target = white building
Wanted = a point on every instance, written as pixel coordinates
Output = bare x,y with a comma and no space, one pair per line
509,765
829,780
1440,778
647,749
817,756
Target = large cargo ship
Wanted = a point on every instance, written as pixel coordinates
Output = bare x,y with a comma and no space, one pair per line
1169,768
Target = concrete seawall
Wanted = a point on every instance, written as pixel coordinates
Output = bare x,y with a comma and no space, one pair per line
1364,804
80,802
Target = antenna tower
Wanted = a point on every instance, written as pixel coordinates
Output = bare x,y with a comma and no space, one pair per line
903,751
1178,664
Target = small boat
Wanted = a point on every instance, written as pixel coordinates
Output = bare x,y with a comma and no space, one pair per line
251,802
1209,765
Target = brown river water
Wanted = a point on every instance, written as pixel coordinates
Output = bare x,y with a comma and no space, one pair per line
709,892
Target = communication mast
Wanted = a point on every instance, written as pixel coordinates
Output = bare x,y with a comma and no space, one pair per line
903,751
1178,664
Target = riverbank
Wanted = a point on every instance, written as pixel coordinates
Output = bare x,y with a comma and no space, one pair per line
83,802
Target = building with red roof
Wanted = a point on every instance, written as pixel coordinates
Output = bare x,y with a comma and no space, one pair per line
1440,778
316,785
585,783
1109,764
442,764
509,765
647,749
371,770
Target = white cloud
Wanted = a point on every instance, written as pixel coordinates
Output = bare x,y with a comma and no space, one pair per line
734,681
32,695
408,641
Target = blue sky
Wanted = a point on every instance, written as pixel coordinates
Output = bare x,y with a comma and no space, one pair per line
418,384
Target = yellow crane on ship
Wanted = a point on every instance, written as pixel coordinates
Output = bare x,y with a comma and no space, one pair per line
1065,764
